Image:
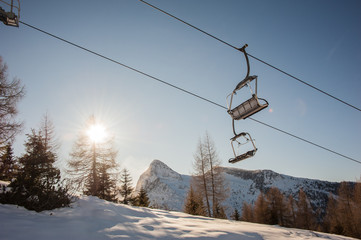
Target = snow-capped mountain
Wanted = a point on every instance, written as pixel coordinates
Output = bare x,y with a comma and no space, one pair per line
167,189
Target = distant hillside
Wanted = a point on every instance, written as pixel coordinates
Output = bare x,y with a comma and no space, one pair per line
167,189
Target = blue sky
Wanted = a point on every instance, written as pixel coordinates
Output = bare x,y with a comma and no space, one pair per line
317,41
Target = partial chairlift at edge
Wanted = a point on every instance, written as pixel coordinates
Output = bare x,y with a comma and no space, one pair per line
9,18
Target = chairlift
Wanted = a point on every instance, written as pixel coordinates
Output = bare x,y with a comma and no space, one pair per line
252,105
10,18
237,140
243,111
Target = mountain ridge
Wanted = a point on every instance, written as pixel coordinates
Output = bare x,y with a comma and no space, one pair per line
167,189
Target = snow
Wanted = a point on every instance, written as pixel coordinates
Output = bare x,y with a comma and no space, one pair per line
3,185
168,189
91,218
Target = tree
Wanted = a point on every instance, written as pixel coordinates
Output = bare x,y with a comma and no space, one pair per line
261,213
48,132
142,199
201,167
247,212
276,207
11,92
38,184
8,164
343,214
304,216
235,215
331,221
208,177
106,185
217,183
92,164
126,188
348,209
194,203
357,209
290,212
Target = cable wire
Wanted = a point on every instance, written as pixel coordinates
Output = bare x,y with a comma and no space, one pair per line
264,62
182,89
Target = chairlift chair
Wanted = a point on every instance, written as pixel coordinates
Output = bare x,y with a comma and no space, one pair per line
9,18
252,105
248,154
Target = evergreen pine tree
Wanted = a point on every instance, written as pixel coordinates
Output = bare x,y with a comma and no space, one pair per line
126,188
142,199
194,204
8,164
106,185
38,184
219,212
236,216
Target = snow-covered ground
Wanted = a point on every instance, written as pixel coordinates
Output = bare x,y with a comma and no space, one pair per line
92,218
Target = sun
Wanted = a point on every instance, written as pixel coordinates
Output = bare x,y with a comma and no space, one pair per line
97,133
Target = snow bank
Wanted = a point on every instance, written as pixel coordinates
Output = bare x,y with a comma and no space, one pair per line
92,218
3,185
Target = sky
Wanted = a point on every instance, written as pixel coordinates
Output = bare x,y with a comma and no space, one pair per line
316,41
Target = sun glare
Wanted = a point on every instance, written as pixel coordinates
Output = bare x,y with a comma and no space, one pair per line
97,133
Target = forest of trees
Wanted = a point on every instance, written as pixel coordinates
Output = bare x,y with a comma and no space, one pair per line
342,216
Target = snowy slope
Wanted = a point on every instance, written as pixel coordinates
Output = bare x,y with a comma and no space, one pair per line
167,189
91,218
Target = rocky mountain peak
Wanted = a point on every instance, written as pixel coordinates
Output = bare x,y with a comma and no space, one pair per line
161,170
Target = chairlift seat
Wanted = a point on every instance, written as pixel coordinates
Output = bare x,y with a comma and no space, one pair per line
248,108
243,156
12,22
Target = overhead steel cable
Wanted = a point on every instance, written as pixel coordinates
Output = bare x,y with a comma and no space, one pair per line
181,89
264,62
121,64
